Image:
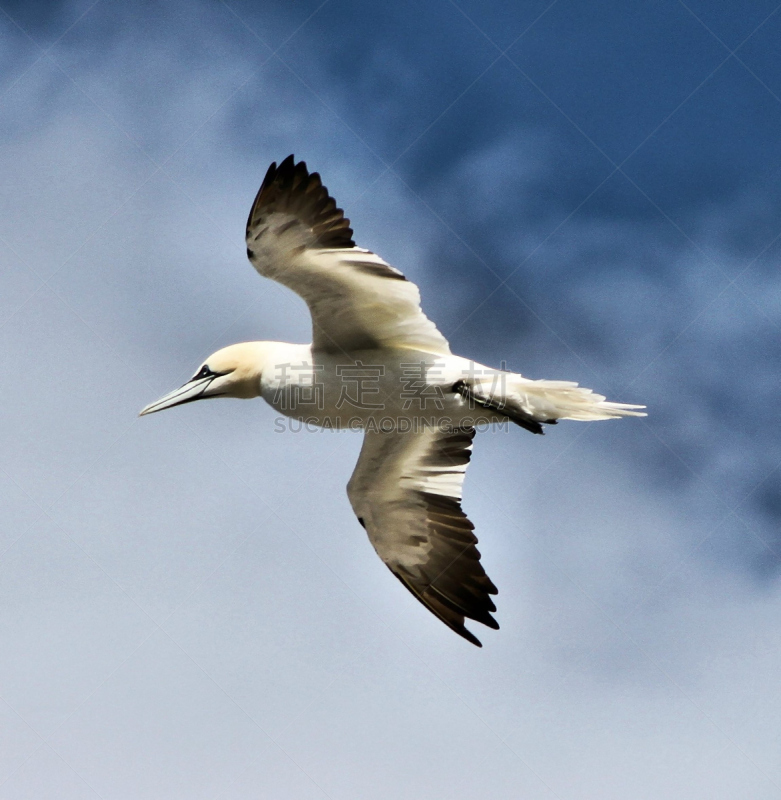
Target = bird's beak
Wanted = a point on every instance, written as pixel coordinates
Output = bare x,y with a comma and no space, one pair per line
192,390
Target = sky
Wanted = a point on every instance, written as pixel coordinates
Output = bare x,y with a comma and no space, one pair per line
589,192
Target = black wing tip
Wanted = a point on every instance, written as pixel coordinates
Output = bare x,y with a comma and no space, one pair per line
291,187
464,632
445,612
475,612
493,625
468,635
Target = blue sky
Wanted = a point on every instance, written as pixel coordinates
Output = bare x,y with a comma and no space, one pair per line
585,191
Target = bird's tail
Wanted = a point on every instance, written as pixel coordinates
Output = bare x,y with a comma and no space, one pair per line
528,401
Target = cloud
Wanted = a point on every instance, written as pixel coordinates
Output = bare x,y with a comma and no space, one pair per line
639,638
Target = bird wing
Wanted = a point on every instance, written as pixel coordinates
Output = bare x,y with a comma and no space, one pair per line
297,236
406,492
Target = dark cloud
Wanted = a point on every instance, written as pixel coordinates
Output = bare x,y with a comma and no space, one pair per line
43,21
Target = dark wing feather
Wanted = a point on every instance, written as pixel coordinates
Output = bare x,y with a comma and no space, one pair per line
406,491
290,189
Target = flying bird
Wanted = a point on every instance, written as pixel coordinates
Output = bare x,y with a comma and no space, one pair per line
377,363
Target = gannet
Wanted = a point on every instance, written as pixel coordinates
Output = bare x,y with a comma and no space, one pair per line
377,363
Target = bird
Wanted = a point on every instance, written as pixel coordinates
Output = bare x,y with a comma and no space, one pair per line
377,363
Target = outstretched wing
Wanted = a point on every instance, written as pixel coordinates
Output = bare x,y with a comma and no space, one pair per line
406,492
297,236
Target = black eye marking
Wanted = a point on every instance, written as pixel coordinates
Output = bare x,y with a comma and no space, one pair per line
205,372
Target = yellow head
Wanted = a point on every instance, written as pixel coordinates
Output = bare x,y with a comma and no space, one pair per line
234,371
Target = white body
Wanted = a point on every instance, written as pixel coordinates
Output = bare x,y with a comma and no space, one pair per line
399,385
371,388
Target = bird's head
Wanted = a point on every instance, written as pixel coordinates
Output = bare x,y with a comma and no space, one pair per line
234,371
